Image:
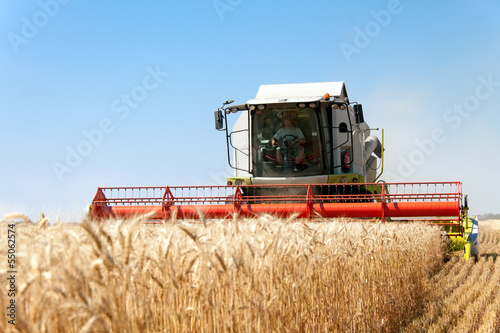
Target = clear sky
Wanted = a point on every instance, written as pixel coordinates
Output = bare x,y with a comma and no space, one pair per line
122,93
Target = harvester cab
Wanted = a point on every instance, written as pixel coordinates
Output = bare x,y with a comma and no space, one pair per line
300,134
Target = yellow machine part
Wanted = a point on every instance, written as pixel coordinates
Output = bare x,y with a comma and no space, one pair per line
469,243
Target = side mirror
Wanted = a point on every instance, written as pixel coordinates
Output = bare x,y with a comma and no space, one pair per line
219,120
343,128
358,113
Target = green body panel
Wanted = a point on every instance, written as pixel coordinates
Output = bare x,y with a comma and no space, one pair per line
332,179
244,180
336,179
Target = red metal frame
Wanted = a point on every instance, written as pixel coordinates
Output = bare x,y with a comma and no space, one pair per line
437,202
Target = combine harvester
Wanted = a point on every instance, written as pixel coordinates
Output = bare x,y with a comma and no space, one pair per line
300,150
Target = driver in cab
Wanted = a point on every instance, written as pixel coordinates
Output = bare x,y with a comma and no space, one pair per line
292,138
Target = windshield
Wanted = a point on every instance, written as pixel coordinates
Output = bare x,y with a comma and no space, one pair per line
286,142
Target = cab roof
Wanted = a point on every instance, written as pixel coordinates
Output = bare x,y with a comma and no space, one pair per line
299,92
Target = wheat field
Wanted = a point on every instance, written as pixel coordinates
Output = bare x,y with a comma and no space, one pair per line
258,275
466,297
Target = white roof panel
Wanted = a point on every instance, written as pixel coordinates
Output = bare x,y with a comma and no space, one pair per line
301,91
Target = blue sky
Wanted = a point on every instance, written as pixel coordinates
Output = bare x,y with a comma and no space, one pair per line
130,88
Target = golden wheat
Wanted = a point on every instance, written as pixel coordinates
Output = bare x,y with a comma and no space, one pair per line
465,297
241,276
